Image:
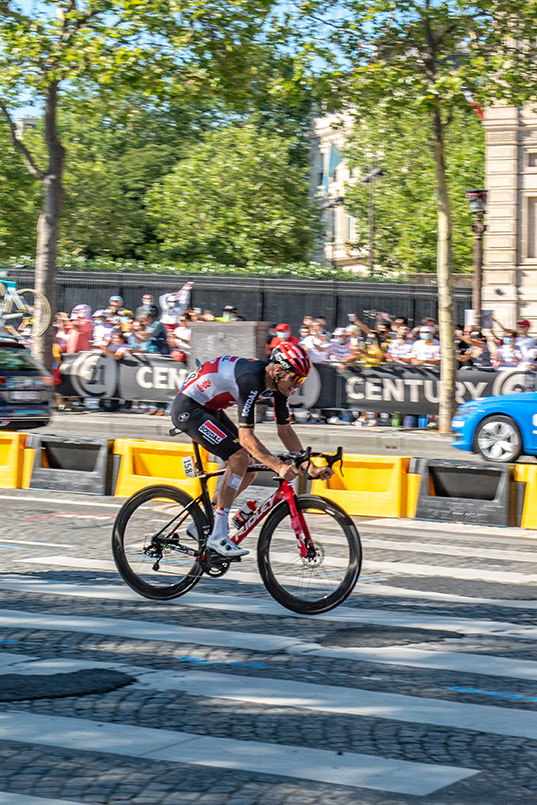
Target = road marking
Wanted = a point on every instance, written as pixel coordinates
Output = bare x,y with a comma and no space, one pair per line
460,662
449,550
270,692
349,768
380,589
53,501
70,514
10,798
397,568
35,542
145,630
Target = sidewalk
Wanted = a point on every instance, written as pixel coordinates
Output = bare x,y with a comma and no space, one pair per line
365,441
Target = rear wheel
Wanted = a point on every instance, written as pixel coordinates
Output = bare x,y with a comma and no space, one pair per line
148,530
315,584
497,438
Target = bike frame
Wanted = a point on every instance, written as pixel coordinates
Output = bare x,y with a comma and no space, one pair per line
284,492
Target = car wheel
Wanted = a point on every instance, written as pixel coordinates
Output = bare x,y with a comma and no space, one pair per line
497,438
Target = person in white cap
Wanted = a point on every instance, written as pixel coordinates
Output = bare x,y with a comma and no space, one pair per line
339,348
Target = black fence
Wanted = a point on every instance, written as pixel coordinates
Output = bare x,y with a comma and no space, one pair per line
257,299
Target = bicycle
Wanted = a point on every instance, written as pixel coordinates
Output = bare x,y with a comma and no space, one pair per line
21,309
309,553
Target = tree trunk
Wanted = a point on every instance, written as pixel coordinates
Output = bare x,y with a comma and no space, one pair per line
445,283
48,225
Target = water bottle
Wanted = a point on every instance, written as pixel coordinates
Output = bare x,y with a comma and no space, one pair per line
244,513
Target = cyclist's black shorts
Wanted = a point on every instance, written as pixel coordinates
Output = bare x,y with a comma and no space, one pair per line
214,430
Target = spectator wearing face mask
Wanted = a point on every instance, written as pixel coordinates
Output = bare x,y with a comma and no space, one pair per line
508,354
282,333
339,349
147,301
103,329
425,351
115,310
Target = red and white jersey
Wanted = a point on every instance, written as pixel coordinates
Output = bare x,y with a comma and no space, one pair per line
227,380
214,386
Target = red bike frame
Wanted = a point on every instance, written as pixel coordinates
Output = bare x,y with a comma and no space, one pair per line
284,492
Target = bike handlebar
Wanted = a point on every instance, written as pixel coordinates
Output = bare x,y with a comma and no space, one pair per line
301,456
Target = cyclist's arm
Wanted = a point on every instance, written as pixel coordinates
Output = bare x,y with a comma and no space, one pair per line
257,449
250,387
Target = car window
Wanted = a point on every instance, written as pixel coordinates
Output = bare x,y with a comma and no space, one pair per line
13,358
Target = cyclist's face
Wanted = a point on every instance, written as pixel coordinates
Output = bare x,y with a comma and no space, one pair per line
287,382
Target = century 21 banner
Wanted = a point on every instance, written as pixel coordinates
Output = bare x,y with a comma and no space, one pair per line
408,390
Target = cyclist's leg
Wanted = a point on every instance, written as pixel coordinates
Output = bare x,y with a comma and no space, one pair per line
219,436
247,477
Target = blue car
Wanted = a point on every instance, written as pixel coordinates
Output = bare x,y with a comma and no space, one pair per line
498,428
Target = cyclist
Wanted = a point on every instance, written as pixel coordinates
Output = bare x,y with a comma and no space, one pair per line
228,380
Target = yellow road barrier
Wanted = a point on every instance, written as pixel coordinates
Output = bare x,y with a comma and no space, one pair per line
146,463
11,459
527,473
373,486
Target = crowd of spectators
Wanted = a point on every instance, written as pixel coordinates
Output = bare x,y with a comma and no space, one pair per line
165,329
393,341
162,329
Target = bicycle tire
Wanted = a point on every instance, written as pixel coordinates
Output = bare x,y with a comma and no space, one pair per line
291,562
38,328
133,565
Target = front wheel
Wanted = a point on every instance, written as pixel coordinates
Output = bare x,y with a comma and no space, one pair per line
320,583
498,438
156,535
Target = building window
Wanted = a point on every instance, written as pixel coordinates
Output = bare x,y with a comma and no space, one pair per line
532,227
351,228
532,159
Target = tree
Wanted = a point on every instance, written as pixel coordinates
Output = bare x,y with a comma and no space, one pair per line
405,204
237,199
19,201
426,56
157,47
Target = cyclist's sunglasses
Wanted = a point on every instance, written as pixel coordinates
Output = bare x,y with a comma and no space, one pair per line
297,380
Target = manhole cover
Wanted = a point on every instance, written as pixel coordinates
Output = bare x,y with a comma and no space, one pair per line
15,687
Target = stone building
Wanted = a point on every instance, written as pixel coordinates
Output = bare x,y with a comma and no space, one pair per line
510,260
330,175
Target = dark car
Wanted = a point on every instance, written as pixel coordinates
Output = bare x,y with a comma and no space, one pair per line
25,388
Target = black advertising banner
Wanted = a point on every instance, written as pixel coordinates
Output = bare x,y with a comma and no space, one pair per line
390,389
415,390
151,378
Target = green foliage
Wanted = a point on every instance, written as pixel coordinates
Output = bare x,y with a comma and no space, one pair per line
237,199
115,156
187,269
405,199
19,201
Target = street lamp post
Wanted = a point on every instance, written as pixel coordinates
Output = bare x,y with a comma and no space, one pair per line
478,205
369,179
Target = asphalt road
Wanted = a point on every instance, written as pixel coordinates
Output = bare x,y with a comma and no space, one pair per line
420,689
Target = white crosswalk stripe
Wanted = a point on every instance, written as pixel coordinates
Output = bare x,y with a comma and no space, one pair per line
357,770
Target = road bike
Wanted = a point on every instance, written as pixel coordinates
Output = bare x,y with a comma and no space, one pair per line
24,312
309,553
